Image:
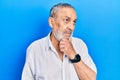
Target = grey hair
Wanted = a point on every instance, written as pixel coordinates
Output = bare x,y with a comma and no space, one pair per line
55,8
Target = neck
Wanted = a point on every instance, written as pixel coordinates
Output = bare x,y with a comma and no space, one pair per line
55,43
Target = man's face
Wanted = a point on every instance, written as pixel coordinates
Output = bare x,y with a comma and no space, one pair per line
64,23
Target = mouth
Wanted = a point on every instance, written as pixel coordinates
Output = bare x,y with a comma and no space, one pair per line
68,33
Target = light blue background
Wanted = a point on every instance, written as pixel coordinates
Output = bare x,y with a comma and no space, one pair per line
23,21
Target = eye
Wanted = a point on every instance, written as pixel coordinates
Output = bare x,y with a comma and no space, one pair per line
66,20
74,22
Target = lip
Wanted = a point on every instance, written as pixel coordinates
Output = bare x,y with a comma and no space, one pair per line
67,34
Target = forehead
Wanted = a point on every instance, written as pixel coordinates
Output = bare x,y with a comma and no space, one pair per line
69,12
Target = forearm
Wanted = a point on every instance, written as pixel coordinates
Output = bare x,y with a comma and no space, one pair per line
84,72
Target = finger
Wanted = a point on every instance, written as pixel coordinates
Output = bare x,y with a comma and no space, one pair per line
63,42
70,39
62,49
61,46
64,39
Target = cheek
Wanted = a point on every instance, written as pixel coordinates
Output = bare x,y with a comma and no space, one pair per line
62,26
59,26
55,26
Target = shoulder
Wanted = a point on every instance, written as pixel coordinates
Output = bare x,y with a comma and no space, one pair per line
79,44
37,43
79,41
36,46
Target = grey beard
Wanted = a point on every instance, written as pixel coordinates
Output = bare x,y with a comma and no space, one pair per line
59,36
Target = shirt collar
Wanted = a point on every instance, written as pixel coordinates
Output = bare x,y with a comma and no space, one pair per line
50,45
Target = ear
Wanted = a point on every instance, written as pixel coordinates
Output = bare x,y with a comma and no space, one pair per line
51,22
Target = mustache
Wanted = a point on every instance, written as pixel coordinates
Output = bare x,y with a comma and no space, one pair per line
68,31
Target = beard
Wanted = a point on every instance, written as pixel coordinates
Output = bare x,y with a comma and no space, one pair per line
60,35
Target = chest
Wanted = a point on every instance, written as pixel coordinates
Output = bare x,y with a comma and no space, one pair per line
50,67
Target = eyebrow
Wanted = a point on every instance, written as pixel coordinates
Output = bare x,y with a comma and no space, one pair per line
70,18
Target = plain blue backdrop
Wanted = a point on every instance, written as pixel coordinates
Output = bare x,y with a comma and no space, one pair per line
23,21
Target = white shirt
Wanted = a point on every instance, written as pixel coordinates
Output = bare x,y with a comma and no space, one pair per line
43,62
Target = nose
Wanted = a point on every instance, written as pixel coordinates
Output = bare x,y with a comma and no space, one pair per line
71,26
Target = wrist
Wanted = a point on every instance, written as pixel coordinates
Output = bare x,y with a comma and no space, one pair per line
77,58
72,55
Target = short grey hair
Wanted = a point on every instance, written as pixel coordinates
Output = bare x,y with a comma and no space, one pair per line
55,8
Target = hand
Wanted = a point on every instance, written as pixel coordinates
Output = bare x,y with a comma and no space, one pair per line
67,48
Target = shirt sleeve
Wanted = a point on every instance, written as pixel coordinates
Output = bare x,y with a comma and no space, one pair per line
87,58
28,70
82,49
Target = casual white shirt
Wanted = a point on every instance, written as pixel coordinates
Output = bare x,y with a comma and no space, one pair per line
43,62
